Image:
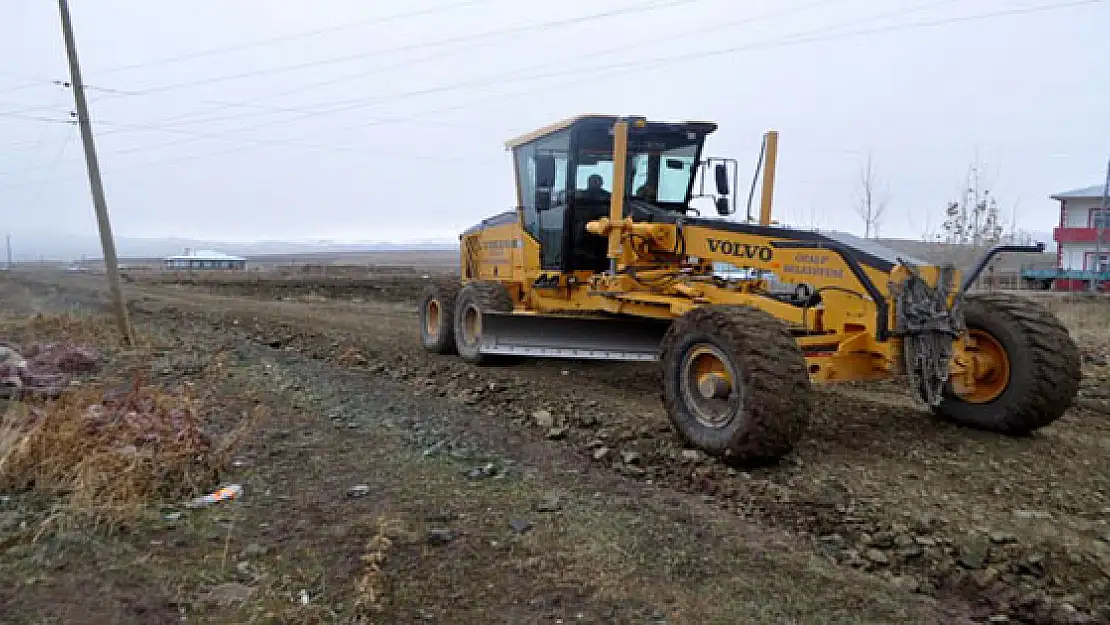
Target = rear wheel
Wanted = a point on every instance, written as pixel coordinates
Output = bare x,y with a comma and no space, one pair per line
735,383
475,300
1027,367
437,311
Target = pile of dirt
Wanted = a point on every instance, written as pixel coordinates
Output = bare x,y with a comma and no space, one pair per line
109,454
61,358
42,368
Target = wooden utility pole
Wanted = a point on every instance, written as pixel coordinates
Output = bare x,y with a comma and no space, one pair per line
108,244
8,241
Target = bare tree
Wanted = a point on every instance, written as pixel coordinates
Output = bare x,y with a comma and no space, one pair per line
975,218
871,201
1016,235
926,233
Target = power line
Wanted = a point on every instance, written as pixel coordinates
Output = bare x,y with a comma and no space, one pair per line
438,157
265,42
35,118
805,37
260,142
223,104
29,109
219,105
811,36
33,109
301,35
265,108
49,170
825,33
188,137
25,86
495,96
29,161
636,8
822,34
245,147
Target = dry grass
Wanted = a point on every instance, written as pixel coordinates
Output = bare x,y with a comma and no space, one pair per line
1084,316
108,458
370,586
108,455
76,328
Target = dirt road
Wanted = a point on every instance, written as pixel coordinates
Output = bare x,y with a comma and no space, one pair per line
882,515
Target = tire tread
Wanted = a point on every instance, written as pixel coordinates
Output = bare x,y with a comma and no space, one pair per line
1055,365
447,294
778,387
490,296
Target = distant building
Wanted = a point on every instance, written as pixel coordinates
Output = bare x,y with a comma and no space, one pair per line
1006,271
1080,220
204,260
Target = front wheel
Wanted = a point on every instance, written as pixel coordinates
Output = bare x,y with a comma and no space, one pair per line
735,383
474,301
1027,367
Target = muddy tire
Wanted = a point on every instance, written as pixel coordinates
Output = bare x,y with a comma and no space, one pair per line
437,318
755,421
474,300
1042,371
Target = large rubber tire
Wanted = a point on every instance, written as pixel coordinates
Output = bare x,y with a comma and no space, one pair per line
1044,361
474,300
437,318
768,409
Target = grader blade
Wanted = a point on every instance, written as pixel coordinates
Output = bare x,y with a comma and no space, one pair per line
594,338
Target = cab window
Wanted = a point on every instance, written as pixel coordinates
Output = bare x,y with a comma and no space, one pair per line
543,167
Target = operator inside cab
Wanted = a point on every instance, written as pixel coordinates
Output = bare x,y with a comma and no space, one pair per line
595,189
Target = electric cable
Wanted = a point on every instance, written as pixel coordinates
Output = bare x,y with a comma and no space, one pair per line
301,35
811,36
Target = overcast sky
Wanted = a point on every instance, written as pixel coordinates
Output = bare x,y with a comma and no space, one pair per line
230,120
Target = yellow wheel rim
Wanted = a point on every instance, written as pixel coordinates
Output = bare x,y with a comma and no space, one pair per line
707,385
991,368
431,317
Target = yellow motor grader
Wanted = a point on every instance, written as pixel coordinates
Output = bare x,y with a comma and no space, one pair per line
607,256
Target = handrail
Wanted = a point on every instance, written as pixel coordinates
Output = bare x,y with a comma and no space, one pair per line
973,275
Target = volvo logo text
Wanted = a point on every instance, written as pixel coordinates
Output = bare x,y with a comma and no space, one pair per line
741,250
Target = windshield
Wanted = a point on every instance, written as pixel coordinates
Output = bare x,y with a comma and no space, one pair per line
660,164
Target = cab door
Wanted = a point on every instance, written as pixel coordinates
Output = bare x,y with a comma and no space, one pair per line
544,170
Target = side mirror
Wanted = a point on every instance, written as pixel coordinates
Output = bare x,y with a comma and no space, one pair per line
722,206
721,172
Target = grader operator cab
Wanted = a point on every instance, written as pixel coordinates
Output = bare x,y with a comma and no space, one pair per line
605,257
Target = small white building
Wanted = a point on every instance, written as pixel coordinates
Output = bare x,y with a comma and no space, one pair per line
1077,234
204,260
